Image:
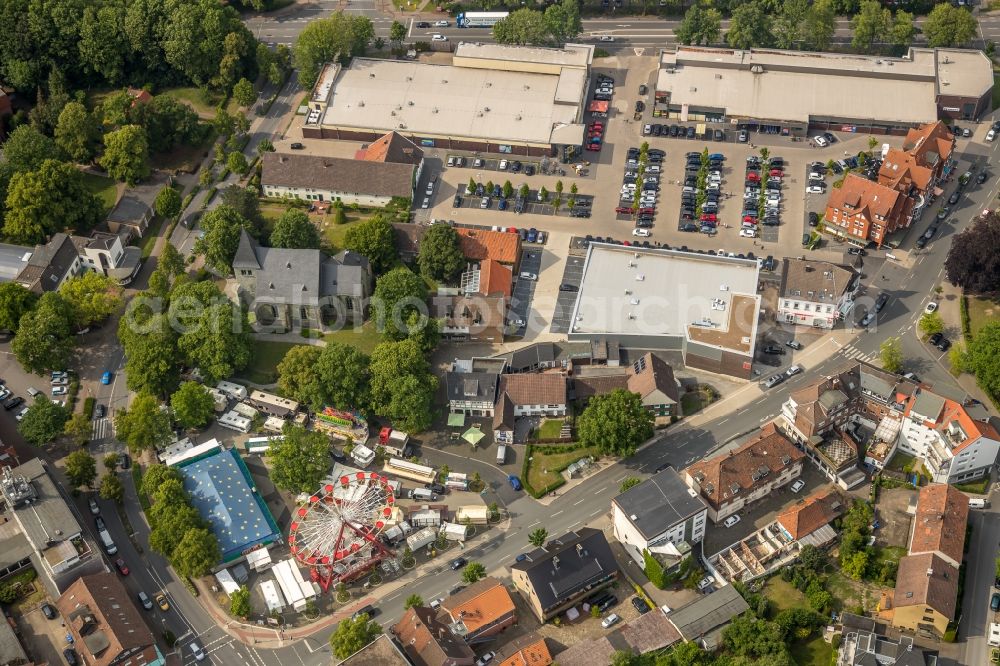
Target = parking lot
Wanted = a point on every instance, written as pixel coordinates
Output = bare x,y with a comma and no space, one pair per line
524,289
572,275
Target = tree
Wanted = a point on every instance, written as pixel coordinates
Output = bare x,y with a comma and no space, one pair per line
616,423
169,122
243,93
221,228
931,323
948,25
77,132
144,425
982,358
902,32
300,460
820,24
26,149
339,36
398,294
50,199
402,386
789,25
538,536
112,488
196,554
627,483
855,565
522,26
562,20
239,601
193,405
295,230
43,422
397,33
168,203
750,27
156,475
299,376
749,636
110,460
871,24
81,468
265,146
152,360
78,429
344,372
972,262
701,25
891,354
246,202
172,522
373,238
440,255
473,572
424,331
219,343
44,339
126,154
92,297
352,634
15,301
413,600
237,163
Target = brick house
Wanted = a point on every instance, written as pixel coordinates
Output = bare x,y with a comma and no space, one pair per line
479,612
861,211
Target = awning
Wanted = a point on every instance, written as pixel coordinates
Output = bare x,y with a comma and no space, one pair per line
473,435
457,420
598,106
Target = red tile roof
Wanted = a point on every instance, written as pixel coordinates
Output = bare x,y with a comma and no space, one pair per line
391,147
482,244
814,512
495,278
534,654
939,524
926,580
547,388
480,604
862,204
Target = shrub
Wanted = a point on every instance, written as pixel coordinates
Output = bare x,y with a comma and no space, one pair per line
88,407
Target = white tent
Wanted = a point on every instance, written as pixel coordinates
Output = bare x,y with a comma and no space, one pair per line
272,597
226,581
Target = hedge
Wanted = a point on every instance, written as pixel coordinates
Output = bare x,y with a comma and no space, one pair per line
963,304
88,407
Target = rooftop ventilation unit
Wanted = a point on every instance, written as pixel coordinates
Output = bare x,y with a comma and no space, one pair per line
640,277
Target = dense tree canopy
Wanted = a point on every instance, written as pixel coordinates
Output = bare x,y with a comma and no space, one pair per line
398,294
338,36
43,422
352,634
144,425
220,343
982,358
49,199
15,301
701,25
193,405
77,132
870,25
616,423
44,339
295,230
81,468
750,26
402,385
373,238
92,297
152,360
300,460
441,255
948,25
126,154
973,262
221,227
335,375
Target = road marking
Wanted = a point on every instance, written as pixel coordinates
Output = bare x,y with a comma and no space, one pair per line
392,597
601,490
723,420
595,513
556,514
578,502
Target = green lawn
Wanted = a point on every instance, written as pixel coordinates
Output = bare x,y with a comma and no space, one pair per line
335,234
975,487
550,429
815,652
783,595
693,402
365,338
899,461
263,366
541,472
152,233
204,103
982,310
105,188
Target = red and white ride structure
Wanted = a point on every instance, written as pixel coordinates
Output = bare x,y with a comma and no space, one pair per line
335,533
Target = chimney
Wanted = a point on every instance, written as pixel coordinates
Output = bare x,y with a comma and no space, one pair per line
555,563
579,549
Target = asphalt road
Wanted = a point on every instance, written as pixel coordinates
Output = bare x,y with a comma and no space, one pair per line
979,570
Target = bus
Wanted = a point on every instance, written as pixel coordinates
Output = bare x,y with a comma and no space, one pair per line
261,445
408,470
479,19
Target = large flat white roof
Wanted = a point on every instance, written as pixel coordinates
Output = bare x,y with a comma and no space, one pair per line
571,55
653,292
447,101
756,83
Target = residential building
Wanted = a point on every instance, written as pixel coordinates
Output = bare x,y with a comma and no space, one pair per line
661,515
649,633
480,244
653,380
864,643
919,166
504,420
288,289
51,264
479,612
704,306
704,619
47,533
528,650
488,278
471,393
393,148
110,256
471,318
107,628
732,480
925,596
135,210
815,293
862,211
428,641
939,523
382,651
567,569
747,89
491,98
332,179
541,394
808,521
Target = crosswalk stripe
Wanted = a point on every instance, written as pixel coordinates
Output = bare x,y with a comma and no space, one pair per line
102,428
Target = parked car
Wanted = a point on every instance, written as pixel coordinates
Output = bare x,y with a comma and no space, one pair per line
773,349
121,566
881,301
930,307
798,485
707,581
731,520
49,611
106,377
486,658
458,563
610,620
793,370
70,655
794,344
99,411
515,482
94,508
771,382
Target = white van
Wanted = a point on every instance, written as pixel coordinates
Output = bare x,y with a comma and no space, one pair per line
109,544
501,454
424,494
975,503
33,392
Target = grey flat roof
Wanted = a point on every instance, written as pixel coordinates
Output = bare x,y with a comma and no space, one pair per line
48,518
659,503
571,55
13,258
708,612
14,546
755,83
11,651
448,101
658,292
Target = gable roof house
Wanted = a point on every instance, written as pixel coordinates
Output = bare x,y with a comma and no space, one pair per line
653,379
471,318
51,264
542,394
939,523
471,393
917,168
527,650
301,288
392,147
808,521
134,211
704,619
428,641
861,211
317,178
732,480
567,569
105,624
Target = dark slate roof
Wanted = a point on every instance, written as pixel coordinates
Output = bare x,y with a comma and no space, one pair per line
708,612
475,386
388,179
659,503
246,252
48,263
532,355
576,569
